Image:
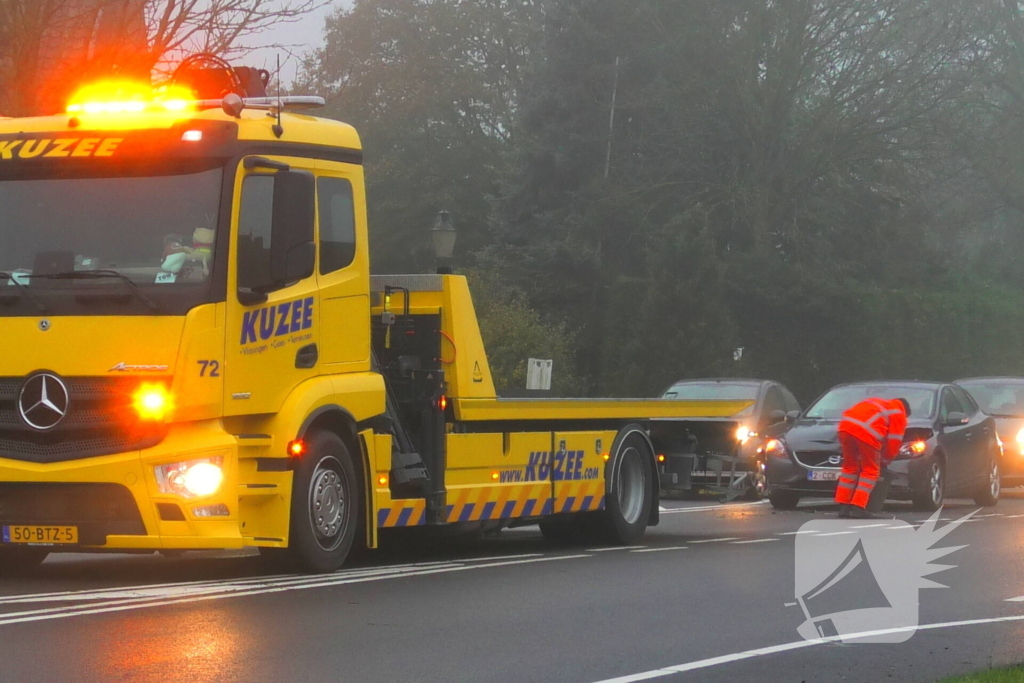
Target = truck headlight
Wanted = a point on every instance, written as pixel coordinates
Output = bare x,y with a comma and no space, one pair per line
191,479
1020,441
744,434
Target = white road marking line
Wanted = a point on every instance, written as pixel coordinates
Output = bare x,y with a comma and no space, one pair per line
1013,516
171,589
992,514
721,506
660,550
318,582
797,533
789,604
900,527
798,645
618,547
716,540
756,540
838,533
869,526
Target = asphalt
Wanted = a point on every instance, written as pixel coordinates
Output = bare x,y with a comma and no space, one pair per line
711,583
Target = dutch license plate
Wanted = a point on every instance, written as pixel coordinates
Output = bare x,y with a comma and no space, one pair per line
43,535
823,475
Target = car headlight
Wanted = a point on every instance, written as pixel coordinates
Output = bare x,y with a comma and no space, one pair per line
775,448
914,449
1020,441
191,479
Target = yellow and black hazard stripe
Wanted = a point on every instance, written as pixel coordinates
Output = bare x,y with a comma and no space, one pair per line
474,504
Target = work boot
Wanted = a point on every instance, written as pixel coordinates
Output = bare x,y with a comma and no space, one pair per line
862,513
844,510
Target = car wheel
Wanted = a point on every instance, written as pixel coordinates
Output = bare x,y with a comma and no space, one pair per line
326,504
18,561
931,493
988,491
784,500
629,495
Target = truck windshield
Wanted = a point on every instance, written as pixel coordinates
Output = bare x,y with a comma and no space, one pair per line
117,245
832,405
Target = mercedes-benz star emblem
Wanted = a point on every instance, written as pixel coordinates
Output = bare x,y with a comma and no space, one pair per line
43,401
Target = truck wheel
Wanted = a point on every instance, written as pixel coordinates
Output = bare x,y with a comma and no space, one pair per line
988,491
629,494
326,502
17,561
930,494
784,500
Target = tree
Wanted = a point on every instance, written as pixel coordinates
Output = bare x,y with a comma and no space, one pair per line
433,86
50,47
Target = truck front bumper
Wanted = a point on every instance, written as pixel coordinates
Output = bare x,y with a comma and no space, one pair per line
115,502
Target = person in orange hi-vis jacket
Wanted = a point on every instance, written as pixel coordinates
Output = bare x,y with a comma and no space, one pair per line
869,431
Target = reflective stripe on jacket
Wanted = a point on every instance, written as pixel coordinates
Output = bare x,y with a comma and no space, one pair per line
878,422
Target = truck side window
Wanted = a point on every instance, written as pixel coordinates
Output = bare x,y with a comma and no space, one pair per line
789,399
337,224
254,231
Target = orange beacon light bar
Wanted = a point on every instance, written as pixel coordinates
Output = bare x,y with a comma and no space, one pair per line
130,97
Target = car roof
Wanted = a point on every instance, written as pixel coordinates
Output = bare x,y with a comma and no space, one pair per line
990,379
908,383
724,380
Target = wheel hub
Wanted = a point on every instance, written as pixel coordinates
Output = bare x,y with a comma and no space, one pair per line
328,511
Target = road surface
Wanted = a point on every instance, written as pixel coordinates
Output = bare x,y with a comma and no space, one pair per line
709,596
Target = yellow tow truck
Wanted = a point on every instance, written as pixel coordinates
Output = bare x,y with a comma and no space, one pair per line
194,355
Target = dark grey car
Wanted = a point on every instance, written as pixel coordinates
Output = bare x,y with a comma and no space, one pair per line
1003,399
950,448
742,435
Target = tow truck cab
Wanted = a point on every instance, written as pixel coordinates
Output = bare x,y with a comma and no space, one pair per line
189,333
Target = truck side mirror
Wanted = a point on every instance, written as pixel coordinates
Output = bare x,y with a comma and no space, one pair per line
293,250
776,416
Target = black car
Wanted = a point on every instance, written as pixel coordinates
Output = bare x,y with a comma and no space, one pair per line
950,447
743,435
1003,399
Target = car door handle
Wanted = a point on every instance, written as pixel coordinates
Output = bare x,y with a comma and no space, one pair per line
306,357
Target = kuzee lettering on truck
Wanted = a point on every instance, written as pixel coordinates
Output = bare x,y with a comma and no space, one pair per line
277,320
565,466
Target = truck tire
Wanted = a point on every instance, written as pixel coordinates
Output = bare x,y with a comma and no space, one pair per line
326,505
987,492
784,500
18,561
629,492
931,491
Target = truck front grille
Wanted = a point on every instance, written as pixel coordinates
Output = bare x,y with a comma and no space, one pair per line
96,509
100,420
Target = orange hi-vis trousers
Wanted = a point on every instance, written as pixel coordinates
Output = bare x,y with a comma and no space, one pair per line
861,467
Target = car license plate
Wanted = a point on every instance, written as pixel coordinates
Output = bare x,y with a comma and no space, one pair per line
823,475
42,535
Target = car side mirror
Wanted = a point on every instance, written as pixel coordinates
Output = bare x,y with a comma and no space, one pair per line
792,416
776,416
293,250
956,419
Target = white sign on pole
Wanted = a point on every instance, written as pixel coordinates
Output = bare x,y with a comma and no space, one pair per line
538,375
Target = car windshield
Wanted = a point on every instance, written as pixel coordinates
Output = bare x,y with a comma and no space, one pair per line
1002,398
61,234
716,391
832,405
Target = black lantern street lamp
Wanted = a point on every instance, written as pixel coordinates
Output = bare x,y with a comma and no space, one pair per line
443,236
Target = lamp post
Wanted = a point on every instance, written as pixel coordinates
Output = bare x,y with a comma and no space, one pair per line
443,236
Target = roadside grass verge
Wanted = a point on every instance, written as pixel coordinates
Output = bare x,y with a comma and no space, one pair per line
1014,674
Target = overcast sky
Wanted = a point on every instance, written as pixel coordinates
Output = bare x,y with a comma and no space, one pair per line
307,34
